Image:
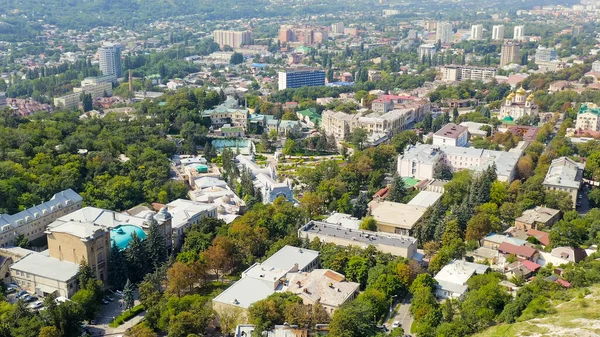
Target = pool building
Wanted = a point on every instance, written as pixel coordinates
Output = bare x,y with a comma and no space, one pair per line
121,235
88,234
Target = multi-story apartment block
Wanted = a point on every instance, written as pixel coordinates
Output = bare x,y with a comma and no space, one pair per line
519,33
234,39
68,102
426,51
476,32
544,55
338,28
96,90
98,80
390,114
498,33
305,34
301,77
33,221
71,101
454,73
109,56
443,32
588,118
510,53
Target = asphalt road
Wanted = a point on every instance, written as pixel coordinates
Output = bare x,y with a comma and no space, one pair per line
404,316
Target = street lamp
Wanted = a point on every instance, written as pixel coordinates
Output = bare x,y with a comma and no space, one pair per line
392,304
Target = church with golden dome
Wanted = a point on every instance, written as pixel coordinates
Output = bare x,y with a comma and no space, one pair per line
516,105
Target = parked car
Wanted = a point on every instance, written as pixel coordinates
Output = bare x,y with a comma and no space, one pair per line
28,298
105,302
108,298
37,305
21,293
11,290
396,324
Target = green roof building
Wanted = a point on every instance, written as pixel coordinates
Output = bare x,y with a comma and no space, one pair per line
310,117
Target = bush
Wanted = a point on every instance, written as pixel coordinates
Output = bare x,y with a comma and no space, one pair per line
126,316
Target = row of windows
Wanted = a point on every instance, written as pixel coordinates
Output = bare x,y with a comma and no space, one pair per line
24,274
23,283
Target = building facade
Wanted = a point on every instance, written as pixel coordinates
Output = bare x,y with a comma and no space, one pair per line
498,33
234,39
42,275
454,73
419,161
451,135
33,221
476,32
544,55
337,28
301,77
229,112
75,242
426,51
519,33
565,175
443,32
588,118
109,57
393,114
510,53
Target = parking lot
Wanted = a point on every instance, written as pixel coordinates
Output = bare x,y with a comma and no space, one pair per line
98,327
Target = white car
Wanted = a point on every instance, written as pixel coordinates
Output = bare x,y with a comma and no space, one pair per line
396,324
37,305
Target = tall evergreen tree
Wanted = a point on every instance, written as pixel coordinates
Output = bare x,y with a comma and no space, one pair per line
137,258
117,268
361,206
156,246
128,295
397,190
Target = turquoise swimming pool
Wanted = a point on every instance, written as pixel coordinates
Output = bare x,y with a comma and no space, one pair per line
121,235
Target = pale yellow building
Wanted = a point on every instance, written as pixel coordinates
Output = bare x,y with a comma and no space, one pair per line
588,118
393,217
81,241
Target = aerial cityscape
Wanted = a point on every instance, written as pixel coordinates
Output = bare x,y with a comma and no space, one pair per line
287,168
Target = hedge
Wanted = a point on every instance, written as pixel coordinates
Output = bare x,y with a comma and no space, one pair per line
127,315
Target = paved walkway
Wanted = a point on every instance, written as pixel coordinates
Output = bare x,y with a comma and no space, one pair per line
108,313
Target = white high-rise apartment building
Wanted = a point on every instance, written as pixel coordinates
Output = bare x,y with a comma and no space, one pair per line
109,56
476,32
443,32
498,32
519,33
337,28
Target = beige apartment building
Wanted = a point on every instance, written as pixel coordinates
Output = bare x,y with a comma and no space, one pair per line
454,73
382,120
588,118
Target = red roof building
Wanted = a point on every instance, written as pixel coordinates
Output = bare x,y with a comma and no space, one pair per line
521,252
542,237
